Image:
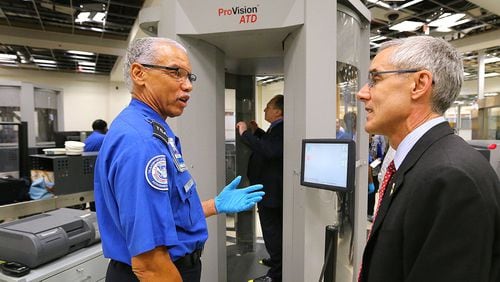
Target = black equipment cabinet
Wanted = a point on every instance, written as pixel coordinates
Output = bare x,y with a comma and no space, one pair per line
72,174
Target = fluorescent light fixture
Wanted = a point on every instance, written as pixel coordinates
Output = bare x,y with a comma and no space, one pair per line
491,60
7,57
466,73
490,94
447,20
10,62
39,61
87,71
86,68
99,17
47,66
80,53
377,38
80,63
491,74
380,3
97,29
406,5
443,29
83,17
406,26
78,57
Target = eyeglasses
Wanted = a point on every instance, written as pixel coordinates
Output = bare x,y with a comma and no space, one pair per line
373,74
179,73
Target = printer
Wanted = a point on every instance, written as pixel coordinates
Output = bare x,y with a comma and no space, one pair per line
41,238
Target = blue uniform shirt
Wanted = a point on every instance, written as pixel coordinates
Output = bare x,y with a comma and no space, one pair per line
94,142
144,195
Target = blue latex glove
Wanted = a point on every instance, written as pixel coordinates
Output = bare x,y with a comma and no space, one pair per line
371,188
232,200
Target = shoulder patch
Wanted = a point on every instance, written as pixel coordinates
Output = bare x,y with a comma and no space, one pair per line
156,173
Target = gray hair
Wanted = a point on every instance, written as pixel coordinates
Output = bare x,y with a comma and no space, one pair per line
143,50
435,55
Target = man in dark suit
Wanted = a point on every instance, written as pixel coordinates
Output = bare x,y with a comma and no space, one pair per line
439,217
266,167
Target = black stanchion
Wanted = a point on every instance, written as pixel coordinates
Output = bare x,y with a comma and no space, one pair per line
331,239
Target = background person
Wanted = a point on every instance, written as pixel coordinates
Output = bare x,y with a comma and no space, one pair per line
265,166
151,220
439,218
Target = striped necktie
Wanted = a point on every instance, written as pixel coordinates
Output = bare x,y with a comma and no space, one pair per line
391,169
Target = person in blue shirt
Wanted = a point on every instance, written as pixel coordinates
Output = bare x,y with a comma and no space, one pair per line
151,220
94,141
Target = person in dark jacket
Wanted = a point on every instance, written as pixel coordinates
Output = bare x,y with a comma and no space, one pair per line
265,166
439,215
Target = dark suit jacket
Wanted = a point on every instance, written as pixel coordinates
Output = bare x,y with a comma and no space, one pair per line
265,165
441,221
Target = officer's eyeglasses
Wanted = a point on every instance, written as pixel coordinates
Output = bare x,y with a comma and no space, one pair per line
179,73
372,76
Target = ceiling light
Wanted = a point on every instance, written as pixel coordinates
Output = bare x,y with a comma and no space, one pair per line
81,63
99,17
491,60
7,57
83,17
7,62
87,71
466,73
406,5
377,38
97,29
39,61
443,29
406,26
380,3
47,65
490,94
491,74
447,20
80,52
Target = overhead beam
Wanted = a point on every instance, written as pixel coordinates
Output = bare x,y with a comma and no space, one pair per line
55,40
478,42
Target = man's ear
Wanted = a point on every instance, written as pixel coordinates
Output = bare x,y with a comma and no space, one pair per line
422,84
137,74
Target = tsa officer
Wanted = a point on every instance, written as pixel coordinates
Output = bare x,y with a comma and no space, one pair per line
151,220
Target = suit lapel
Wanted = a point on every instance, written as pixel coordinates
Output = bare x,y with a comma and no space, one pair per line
396,183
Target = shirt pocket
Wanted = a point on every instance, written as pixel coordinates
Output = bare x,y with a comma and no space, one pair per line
184,212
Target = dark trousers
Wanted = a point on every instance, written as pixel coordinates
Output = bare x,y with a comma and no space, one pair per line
271,222
122,272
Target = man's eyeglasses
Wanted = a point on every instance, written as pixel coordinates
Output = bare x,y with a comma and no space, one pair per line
373,74
179,73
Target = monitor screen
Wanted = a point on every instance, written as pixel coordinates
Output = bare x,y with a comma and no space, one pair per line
328,164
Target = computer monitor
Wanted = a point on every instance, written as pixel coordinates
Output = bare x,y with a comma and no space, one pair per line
328,164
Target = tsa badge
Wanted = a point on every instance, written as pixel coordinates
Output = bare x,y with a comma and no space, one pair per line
156,173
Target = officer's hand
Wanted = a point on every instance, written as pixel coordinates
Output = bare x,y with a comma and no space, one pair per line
371,188
232,200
